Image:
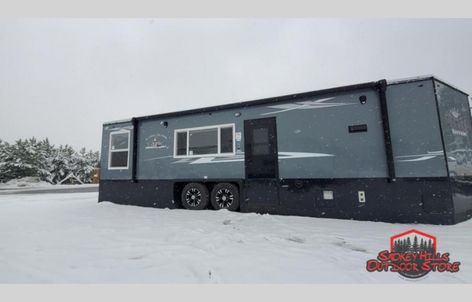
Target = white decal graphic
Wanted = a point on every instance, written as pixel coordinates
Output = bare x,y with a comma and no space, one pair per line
454,112
210,160
459,132
240,157
159,157
305,105
419,157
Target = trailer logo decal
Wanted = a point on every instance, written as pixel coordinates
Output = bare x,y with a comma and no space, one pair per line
419,157
156,141
305,105
413,254
457,121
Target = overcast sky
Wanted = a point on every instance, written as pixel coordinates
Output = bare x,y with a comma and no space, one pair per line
62,78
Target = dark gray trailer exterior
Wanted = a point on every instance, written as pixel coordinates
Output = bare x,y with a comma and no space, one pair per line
397,152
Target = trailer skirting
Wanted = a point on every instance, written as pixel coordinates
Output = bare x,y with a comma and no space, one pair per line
435,200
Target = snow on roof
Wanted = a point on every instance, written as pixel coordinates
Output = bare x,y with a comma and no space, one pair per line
410,79
118,121
421,78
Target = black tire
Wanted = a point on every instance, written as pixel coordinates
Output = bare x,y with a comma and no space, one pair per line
225,196
195,196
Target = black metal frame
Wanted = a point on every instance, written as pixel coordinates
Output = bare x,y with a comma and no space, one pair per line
382,87
429,199
440,125
135,123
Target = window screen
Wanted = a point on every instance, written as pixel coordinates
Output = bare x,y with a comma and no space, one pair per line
119,159
212,140
119,141
181,143
203,141
226,140
260,141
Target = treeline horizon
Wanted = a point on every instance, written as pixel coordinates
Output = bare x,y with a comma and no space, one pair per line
33,157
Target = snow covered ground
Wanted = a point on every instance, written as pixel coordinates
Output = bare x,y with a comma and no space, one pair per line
50,189
57,238
33,184
25,182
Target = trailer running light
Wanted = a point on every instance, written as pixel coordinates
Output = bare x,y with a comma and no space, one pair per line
328,195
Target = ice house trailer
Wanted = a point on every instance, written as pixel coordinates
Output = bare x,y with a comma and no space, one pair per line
398,151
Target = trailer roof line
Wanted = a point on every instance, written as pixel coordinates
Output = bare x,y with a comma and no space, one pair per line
424,78
281,98
366,85
127,120
410,79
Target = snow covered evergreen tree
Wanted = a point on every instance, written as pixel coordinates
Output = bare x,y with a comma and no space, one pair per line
41,159
3,146
22,159
62,163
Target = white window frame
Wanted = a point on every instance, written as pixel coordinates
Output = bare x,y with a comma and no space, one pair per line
110,151
219,154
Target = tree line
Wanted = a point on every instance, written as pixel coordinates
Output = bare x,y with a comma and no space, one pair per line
39,158
405,245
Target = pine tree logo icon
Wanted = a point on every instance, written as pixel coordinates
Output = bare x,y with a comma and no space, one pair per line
416,243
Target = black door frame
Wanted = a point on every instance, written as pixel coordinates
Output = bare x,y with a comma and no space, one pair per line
271,124
261,191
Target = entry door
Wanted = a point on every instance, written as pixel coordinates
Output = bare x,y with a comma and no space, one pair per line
260,148
261,160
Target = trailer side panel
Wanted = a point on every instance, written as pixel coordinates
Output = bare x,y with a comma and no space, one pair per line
415,131
456,127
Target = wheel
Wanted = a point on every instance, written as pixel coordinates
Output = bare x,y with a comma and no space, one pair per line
225,196
195,196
